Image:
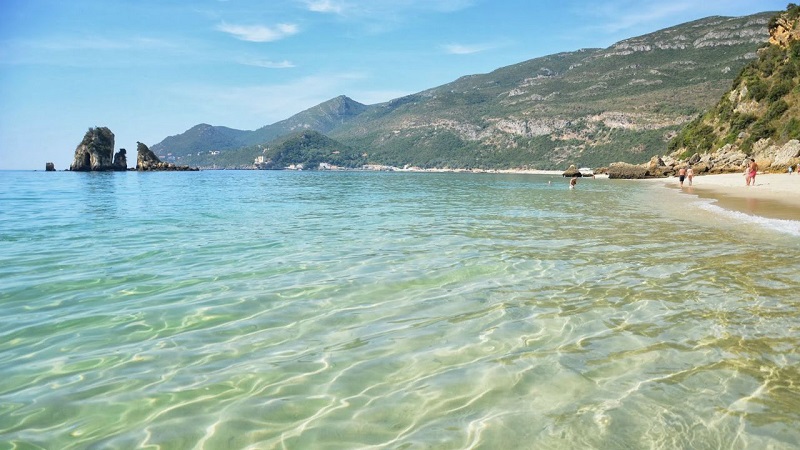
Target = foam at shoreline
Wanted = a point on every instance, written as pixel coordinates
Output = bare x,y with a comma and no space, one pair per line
773,202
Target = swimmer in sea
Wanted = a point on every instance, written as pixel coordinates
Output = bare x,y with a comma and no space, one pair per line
573,182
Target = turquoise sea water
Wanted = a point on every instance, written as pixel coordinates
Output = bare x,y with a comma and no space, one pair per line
343,310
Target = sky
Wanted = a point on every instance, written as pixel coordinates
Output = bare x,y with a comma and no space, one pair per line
148,69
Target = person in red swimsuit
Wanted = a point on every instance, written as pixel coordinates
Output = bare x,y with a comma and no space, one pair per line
752,170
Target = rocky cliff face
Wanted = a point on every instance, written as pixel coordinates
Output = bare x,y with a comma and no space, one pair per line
759,117
147,161
783,30
121,160
589,107
95,152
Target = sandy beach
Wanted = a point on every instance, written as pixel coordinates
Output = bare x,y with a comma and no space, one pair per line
774,195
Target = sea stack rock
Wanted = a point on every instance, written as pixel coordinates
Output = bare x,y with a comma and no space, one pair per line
95,152
50,167
120,160
147,161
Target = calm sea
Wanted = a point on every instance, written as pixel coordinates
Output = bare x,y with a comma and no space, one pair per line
345,310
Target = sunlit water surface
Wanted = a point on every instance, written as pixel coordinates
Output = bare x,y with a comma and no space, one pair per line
341,310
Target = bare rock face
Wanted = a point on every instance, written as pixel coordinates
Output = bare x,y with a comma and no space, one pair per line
657,168
572,171
50,167
782,31
147,161
120,160
145,158
787,154
95,152
621,170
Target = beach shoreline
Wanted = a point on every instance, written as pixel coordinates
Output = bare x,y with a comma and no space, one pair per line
774,195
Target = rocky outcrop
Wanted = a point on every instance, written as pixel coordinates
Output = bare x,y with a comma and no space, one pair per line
50,167
727,159
782,31
786,155
95,152
622,170
730,159
572,171
147,161
120,160
658,168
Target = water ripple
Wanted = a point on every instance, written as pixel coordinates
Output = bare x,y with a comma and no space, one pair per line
359,310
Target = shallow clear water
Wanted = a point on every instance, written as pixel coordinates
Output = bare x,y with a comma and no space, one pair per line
227,309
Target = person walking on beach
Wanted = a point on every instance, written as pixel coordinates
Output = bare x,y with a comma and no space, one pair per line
752,170
682,175
689,174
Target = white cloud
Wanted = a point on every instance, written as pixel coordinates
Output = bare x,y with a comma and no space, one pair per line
461,49
385,10
258,33
285,64
325,6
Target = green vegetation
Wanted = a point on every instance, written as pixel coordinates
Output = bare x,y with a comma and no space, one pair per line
772,101
310,149
588,107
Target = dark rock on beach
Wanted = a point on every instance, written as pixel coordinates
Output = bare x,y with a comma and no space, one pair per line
657,168
621,170
572,171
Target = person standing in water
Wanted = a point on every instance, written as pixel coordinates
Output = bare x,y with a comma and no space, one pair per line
682,175
689,174
573,182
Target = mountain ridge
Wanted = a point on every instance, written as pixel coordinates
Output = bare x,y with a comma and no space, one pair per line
204,137
586,107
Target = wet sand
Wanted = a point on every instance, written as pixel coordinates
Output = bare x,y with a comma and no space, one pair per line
775,196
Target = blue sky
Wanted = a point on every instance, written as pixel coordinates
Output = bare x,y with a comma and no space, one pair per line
148,69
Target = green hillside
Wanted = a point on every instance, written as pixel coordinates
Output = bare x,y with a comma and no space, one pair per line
763,104
205,138
309,150
589,107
